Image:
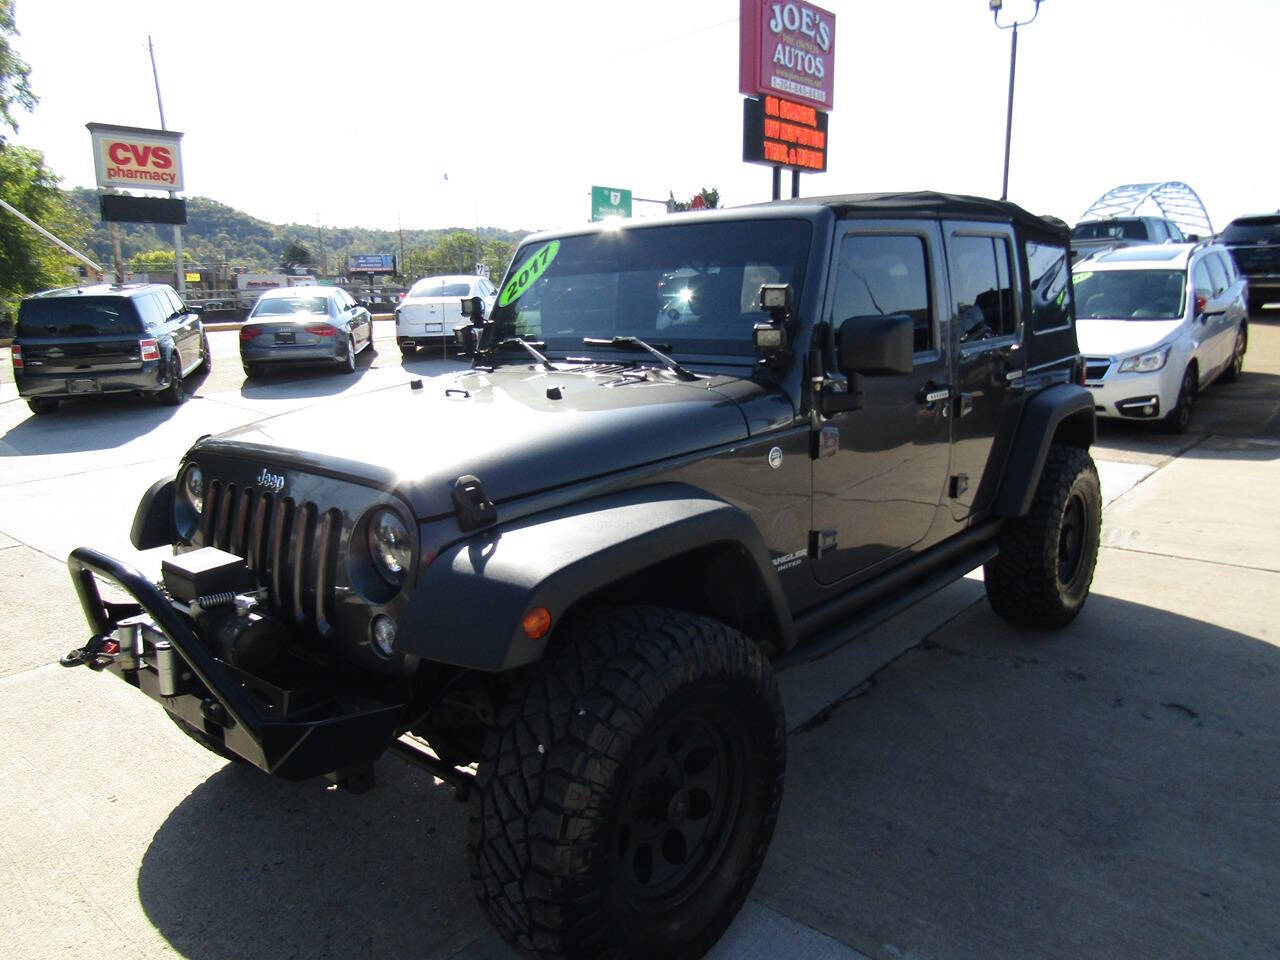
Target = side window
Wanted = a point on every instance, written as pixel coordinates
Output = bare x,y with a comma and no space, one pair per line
1158,232
1217,275
175,302
879,275
1201,280
1229,266
151,310
1047,269
1175,232
981,285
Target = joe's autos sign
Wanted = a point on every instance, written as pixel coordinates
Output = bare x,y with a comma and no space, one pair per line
136,158
788,50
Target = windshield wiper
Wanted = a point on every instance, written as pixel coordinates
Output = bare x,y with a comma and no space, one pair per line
528,345
635,343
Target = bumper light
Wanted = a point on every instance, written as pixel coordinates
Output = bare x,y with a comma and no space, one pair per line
384,632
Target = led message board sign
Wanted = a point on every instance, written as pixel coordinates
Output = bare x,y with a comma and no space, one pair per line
781,133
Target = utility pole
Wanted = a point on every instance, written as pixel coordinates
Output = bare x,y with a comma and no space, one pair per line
178,265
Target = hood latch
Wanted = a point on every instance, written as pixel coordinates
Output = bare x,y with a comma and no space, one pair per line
474,510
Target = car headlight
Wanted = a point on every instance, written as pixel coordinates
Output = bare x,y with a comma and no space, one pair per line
191,487
1145,362
390,546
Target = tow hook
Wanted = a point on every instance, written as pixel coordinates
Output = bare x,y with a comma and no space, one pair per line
101,650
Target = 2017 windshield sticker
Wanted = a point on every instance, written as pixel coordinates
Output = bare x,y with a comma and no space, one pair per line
531,270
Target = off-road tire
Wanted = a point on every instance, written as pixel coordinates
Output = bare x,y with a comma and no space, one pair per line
41,406
206,741
1042,574
628,792
176,392
1238,348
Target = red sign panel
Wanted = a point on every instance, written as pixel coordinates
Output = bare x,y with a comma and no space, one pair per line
784,134
788,50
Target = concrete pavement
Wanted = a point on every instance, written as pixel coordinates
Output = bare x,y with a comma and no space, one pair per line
1109,790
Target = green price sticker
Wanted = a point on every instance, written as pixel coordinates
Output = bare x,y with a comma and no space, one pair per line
528,272
1081,277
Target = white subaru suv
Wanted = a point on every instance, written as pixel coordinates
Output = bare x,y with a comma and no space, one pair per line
432,309
1156,325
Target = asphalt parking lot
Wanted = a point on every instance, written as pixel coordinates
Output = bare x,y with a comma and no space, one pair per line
956,788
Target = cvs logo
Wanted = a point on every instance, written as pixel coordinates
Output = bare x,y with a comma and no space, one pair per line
139,154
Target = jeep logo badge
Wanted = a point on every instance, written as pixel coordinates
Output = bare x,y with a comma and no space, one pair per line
272,481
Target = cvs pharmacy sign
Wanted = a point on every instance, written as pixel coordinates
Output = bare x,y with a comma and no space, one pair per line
137,158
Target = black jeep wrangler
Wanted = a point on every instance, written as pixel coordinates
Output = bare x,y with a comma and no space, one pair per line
690,451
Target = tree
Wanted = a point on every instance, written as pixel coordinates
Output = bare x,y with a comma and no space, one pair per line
28,261
710,200
14,89
296,257
152,261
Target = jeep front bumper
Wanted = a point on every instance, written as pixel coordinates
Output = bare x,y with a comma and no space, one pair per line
151,644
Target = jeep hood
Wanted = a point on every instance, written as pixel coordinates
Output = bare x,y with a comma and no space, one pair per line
520,431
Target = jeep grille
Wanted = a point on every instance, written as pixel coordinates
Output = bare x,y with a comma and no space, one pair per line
292,548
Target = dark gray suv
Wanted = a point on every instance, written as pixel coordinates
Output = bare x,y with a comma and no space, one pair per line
138,338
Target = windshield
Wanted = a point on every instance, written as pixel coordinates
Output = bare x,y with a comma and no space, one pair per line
1252,231
1110,230
287,306
77,317
434,288
1129,294
691,289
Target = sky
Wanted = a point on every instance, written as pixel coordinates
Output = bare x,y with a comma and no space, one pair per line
428,114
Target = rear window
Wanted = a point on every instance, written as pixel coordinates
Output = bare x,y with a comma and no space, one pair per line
77,317
1253,231
1110,230
288,306
434,288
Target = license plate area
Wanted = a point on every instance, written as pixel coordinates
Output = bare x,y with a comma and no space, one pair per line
285,336
82,386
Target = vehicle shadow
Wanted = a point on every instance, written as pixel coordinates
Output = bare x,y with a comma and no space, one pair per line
1103,791
115,419
252,867
282,382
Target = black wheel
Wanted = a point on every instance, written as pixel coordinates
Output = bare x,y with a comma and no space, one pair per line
1042,574
176,391
1178,420
1236,366
206,362
42,406
627,795
349,363
211,744
408,350
252,370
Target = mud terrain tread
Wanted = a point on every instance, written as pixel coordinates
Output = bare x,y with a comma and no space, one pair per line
1022,581
565,730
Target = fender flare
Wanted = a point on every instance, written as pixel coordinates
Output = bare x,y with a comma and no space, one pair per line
153,520
467,606
1066,410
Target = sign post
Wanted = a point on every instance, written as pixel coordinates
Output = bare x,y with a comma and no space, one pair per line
610,202
786,58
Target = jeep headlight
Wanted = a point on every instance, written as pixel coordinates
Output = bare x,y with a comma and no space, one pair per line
191,487
390,546
1145,362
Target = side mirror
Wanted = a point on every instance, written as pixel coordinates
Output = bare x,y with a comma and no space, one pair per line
473,307
876,345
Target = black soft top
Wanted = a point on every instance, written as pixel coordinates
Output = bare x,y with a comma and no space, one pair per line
929,203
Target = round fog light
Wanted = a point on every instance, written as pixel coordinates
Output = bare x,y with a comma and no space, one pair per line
384,634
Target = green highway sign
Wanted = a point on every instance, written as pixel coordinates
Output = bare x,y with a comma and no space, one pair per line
610,202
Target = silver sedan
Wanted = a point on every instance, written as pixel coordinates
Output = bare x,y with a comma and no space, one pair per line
304,325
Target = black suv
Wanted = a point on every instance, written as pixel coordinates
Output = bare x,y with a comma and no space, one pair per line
1254,242
690,451
139,338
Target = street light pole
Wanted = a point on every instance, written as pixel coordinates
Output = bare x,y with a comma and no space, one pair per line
996,6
